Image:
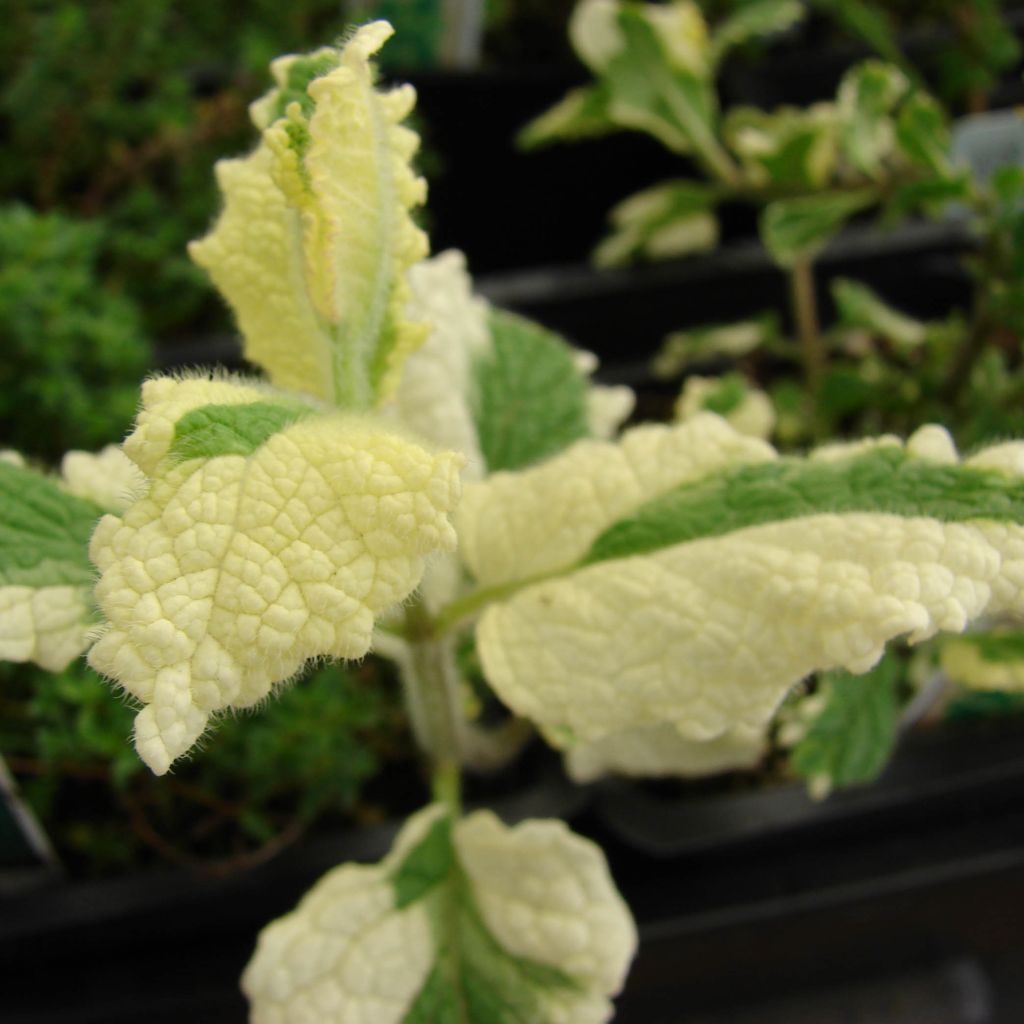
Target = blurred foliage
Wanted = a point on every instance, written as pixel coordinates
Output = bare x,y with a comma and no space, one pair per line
850,736
961,48
117,111
260,781
73,348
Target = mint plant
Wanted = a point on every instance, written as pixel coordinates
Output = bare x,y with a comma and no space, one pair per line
418,471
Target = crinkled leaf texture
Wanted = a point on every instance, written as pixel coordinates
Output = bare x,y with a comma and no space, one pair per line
313,245
45,575
472,921
271,532
689,575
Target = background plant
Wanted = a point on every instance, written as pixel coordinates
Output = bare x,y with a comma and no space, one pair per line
882,144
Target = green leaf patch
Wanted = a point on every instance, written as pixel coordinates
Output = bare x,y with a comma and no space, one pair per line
214,430
886,481
531,400
44,531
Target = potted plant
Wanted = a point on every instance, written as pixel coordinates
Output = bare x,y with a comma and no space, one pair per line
646,598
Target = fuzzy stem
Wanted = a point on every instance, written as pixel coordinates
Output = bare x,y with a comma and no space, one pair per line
805,317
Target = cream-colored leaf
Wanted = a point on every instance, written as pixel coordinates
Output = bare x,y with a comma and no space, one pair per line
545,894
471,921
660,750
518,525
753,415
316,237
233,570
45,625
711,634
594,32
433,397
346,953
109,477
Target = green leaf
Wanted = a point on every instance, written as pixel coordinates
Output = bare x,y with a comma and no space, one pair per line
786,147
670,219
683,349
44,531
761,18
858,306
846,390
868,21
923,133
931,197
213,430
868,96
468,922
428,864
798,229
651,90
531,400
851,741
884,480
581,114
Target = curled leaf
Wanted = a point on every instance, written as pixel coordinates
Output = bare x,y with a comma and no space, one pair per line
315,239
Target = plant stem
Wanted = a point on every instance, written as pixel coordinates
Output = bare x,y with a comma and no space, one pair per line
805,317
433,696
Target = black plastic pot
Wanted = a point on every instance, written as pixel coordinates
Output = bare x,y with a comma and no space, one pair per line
905,906
167,946
900,902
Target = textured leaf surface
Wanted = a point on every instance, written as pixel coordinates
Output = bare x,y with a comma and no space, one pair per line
531,400
518,525
474,923
234,569
705,619
44,530
852,738
315,239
